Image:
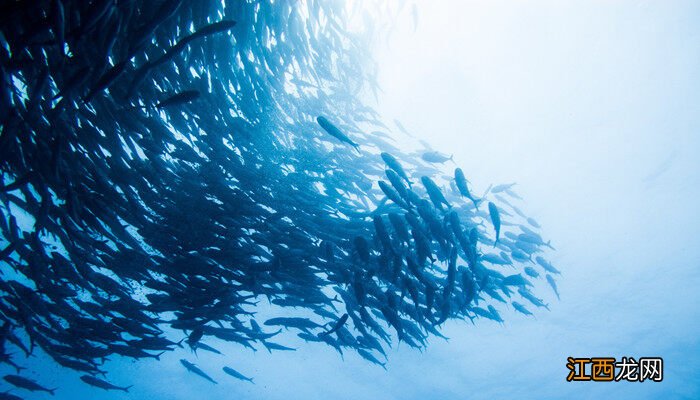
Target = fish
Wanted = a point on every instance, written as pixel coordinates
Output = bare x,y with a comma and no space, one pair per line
515,280
434,192
99,383
546,265
436,157
502,188
531,272
521,308
293,322
193,368
275,346
532,222
461,182
553,284
341,321
28,384
495,220
237,374
106,79
177,99
371,358
395,166
392,194
335,132
400,126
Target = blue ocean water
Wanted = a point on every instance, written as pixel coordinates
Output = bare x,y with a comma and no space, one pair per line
592,108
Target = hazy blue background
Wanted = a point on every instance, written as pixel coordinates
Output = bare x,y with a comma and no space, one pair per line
594,109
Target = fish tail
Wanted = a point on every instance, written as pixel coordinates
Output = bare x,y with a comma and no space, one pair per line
126,389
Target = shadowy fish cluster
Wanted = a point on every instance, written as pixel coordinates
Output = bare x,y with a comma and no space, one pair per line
166,165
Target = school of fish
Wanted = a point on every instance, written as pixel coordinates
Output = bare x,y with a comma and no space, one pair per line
170,167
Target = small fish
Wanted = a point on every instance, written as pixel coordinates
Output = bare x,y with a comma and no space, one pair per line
339,324
99,383
193,368
106,79
237,374
394,164
392,194
436,157
521,308
194,337
28,384
461,182
495,314
434,192
177,99
276,346
553,284
400,126
496,220
500,188
369,357
531,272
206,347
547,265
335,132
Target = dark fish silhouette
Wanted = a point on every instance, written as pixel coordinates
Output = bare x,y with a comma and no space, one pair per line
26,383
237,374
177,99
99,383
193,368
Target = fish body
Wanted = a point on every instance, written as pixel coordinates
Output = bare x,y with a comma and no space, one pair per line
463,188
237,374
193,368
553,284
521,308
26,383
335,132
395,165
496,220
501,188
99,383
435,157
177,99
434,192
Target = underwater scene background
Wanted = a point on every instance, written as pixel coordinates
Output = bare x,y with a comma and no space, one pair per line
326,199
